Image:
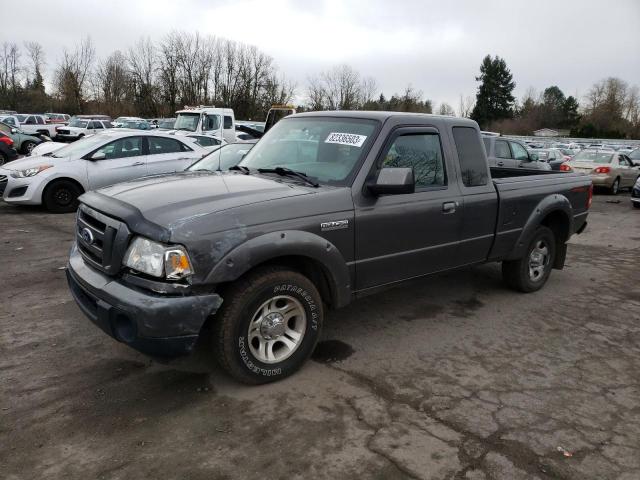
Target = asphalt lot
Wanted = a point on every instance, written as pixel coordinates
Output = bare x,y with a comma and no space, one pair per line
450,377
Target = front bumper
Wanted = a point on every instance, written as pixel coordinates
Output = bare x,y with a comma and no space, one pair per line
154,324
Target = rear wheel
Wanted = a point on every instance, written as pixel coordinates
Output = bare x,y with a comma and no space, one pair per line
531,272
615,187
268,325
61,196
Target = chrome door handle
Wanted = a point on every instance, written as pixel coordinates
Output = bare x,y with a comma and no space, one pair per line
449,207
137,164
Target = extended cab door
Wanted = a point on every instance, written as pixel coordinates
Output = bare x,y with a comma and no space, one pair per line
167,155
479,196
116,162
407,235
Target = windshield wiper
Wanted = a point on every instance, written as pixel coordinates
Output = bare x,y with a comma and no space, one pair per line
284,171
241,168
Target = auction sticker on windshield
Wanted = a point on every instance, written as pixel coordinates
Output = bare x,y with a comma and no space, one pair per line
350,139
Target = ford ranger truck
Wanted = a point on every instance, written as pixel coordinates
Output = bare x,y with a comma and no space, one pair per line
327,207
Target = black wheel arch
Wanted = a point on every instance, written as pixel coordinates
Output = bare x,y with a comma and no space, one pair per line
66,179
313,256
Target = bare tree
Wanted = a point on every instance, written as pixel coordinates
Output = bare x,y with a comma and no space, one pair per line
72,75
10,73
466,106
446,109
37,59
142,68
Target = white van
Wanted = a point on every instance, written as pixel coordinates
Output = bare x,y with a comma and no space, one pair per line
206,120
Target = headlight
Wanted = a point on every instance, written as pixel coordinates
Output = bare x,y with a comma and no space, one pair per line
29,172
158,260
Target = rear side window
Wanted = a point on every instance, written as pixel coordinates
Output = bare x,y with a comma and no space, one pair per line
470,154
40,120
165,145
228,123
519,152
207,141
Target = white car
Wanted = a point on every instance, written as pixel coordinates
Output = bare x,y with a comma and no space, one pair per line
118,122
81,127
46,147
31,124
57,179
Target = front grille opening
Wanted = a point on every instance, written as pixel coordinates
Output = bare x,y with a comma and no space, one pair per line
88,253
95,223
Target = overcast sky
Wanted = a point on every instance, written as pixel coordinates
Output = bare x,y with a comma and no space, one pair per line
435,46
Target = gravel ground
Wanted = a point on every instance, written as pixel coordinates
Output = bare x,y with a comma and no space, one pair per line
452,377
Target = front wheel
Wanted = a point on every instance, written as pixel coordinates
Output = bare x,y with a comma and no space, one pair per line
531,272
268,325
61,196
28,146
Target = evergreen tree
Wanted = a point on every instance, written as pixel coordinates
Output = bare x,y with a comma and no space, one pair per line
571,117
494,100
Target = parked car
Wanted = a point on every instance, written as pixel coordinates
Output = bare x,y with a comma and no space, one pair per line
7,152
58,118
265,248
607,169
46,147
507,153
634,156
223,158
136,125
30,124
81,127
22,142
57,179
635,194
553,156
118,122
206,141
166,123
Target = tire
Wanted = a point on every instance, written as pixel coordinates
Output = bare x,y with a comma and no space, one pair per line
530,273
27,147
3,159
249,326
636,205
615,187
61,196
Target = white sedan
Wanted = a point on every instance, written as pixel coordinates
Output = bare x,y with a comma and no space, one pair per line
57,179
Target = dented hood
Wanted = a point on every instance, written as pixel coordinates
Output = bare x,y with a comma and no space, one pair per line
180,198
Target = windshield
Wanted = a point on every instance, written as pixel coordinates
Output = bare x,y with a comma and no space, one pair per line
187,121
595,157
166,124
222,158
327,149
79,146
78,123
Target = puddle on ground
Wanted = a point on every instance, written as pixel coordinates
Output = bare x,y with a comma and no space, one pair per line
330,351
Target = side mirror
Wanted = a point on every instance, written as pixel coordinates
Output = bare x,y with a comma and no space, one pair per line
533,157
98,156
393,181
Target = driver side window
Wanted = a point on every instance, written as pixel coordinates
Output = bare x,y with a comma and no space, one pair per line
125,147
423,153
502,149
519,152
211,122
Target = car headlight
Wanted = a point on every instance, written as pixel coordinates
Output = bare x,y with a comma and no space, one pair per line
29,172
157,259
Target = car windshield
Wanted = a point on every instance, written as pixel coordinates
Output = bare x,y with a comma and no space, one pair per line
187,121
225,157
166,124
592,156
78,123
327,149
79,146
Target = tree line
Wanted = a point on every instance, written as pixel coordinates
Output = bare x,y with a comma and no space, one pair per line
154,79
610,109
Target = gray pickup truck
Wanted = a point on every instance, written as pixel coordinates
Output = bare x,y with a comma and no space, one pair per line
326,208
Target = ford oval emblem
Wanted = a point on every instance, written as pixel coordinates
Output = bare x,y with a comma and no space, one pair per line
87,236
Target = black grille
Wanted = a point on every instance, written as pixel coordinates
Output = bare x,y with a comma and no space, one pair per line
102,240
62,131
3,184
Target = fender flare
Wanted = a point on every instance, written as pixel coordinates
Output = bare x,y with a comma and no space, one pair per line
550,204
286,243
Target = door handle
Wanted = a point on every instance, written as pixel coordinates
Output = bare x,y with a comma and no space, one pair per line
137,164
500,164
449,207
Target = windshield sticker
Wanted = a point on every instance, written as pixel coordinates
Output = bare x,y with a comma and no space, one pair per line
350,139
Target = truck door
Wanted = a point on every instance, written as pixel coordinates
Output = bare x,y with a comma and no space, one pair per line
408,235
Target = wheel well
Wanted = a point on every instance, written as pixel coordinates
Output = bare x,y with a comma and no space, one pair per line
52,182
558,222
307,266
